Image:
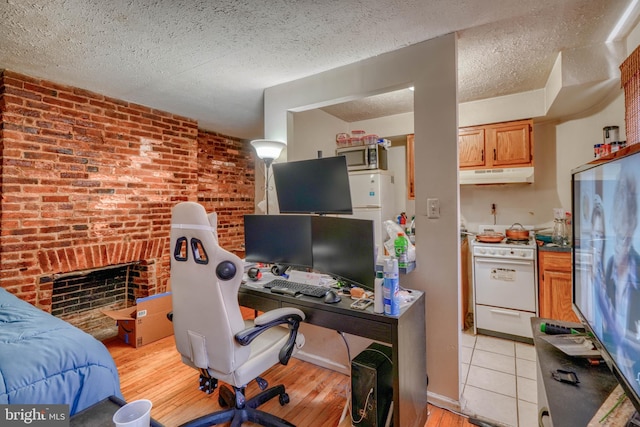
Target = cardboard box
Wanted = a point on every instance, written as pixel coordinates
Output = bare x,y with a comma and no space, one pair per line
146,322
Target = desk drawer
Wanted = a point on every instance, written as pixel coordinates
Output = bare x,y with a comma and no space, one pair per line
260,303
348,323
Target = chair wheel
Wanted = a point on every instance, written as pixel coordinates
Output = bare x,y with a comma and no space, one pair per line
284,399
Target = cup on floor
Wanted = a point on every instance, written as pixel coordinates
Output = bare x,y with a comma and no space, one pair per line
134,414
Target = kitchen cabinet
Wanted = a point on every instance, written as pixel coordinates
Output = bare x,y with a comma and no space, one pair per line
411,186
555,285
464,282
498,145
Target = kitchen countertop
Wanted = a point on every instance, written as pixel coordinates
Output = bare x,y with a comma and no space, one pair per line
550,247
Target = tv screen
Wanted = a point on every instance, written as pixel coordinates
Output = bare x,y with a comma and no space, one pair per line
344,247
606,260
319,186
278,239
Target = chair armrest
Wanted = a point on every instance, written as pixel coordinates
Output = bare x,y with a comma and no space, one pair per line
271,315
280,316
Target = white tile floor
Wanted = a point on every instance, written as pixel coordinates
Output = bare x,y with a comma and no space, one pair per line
498,380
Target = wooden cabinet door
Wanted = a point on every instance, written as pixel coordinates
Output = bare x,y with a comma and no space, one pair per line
411,179
559,283
510,144
472,147
555,285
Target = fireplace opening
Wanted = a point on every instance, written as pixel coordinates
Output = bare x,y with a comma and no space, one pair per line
80,296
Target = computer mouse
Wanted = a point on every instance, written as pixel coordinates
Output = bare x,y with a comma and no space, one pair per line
332,297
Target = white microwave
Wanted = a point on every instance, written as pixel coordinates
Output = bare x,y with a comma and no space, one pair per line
364,157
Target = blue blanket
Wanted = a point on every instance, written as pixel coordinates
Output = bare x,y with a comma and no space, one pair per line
45,360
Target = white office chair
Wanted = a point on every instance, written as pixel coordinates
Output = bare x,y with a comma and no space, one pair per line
209,330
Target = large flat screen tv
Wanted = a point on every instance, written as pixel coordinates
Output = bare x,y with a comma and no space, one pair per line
606,260
316,186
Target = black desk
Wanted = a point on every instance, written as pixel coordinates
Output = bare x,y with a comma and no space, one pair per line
569,405
405,333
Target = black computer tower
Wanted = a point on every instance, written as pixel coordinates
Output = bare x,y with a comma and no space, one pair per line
371,386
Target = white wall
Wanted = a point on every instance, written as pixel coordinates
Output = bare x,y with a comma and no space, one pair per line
576,139
315,130
430,67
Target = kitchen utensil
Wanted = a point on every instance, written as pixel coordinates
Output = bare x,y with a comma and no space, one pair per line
517,232
491,237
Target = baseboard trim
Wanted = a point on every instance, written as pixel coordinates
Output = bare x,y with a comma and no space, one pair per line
443,402
323,362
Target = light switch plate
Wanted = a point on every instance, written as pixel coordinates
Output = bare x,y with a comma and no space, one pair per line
433,208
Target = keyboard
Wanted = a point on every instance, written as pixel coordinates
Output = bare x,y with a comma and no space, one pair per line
286,287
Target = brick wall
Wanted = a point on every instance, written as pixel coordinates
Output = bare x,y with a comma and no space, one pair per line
226,184
89,181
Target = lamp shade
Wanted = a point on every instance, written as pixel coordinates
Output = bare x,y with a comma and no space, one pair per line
268,149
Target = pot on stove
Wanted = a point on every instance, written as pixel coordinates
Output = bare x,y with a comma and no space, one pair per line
517,232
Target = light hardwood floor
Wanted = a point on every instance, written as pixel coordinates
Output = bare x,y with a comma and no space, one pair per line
317,395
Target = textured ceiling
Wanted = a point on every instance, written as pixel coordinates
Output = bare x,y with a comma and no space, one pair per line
211,59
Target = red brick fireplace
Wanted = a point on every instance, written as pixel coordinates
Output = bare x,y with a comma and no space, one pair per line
89,181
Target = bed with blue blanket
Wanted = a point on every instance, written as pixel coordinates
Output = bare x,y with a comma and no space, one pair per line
45,360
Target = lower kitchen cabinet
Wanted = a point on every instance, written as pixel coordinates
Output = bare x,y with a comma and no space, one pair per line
464,282
555,285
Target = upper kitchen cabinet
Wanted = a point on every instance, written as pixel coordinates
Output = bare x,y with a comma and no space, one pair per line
497,145
472,147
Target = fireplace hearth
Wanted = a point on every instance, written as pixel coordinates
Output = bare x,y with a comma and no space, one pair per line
80,296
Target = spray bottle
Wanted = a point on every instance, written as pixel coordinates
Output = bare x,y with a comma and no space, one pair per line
391,287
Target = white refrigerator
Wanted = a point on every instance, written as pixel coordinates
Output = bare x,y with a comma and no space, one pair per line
372,198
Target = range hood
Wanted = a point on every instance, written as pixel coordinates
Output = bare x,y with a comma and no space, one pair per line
497,176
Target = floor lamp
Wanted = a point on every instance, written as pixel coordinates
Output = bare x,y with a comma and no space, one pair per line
267,150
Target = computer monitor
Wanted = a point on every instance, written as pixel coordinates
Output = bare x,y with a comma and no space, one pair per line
318,186
344,247
278,239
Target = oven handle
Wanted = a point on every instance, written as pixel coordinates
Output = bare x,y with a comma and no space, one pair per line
503,261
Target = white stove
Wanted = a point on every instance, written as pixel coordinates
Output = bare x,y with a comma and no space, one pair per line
505,286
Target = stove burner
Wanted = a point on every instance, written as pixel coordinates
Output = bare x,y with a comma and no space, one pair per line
517,242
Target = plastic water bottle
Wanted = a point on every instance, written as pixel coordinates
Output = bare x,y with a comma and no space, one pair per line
391,287
401,247
378,293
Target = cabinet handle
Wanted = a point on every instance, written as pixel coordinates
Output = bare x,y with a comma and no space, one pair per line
482,154
494,154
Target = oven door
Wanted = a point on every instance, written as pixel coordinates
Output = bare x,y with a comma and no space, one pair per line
508,283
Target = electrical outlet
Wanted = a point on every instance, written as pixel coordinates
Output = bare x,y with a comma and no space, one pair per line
433,208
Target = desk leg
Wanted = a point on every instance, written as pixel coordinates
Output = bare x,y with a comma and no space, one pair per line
410,368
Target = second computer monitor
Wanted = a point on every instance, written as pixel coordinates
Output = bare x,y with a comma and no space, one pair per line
278,239
344,247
